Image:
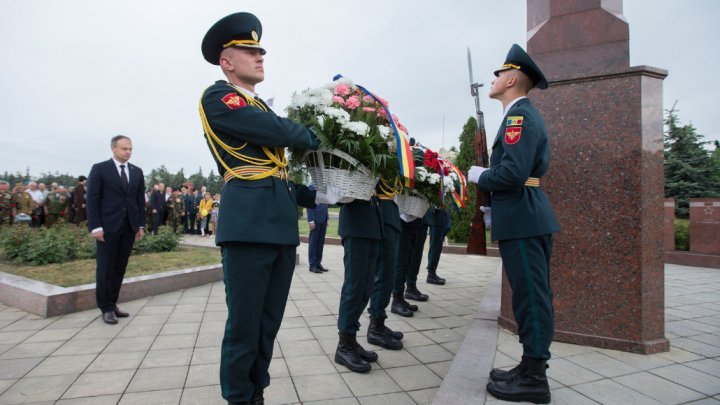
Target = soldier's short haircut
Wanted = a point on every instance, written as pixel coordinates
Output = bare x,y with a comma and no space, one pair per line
116,138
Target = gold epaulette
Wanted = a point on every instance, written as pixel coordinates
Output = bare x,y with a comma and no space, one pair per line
251,172
532,182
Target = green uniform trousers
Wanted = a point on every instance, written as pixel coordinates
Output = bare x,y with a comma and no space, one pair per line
408,255
257,283
437,237
383,283
527,265
360,260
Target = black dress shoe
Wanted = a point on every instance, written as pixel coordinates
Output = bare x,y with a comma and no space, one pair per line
314,269
109,318
321,267
120,313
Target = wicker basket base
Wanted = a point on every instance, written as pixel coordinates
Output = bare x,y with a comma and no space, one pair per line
411,205
340,176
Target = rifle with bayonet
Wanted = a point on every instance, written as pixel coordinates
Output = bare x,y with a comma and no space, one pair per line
477,243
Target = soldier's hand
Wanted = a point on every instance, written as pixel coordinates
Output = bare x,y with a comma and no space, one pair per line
312,225
486,216
474,173
139,235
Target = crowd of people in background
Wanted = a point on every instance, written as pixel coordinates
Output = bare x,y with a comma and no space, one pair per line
185,209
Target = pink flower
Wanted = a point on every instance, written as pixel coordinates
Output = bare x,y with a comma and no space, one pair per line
368,109
402,127
382,101
368,99
352,102
342,89
381,112
338,100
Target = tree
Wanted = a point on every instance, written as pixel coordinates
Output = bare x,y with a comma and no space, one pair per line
690,170
461,219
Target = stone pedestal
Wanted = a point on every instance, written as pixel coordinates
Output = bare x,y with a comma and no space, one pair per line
605,180
705,226
669,228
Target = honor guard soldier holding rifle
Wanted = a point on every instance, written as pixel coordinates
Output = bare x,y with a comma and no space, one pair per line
257,226
523,224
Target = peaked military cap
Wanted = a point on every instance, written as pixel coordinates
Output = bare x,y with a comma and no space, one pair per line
240,29
518,59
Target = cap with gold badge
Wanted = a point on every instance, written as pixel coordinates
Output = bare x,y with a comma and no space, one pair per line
518,59
239,29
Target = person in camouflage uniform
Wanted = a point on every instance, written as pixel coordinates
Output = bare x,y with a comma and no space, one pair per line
24,204
6,204
176,210
55,204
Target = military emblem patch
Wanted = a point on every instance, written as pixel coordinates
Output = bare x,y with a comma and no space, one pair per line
512,135
514,121
234,101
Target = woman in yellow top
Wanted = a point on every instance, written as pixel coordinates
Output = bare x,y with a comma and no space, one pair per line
204,212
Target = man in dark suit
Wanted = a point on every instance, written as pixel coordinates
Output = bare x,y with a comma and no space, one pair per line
116,218
523,224
157,205
257,227
317,221
437,220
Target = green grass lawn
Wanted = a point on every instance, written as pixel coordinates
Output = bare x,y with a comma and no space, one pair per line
83,271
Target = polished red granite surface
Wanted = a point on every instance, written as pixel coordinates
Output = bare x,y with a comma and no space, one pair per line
669,224
705,226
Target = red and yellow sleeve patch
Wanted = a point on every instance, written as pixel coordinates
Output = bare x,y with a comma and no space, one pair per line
514,121
234,101
512,135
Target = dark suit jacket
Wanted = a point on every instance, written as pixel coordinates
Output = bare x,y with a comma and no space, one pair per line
157,200
319,214
107,203
520,151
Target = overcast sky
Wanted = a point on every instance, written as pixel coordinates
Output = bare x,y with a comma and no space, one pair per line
74,73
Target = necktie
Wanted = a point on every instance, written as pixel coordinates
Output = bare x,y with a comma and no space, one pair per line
123,178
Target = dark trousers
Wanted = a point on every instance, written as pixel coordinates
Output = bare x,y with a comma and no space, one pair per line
157,221
527,265
257,283
316,242
191,222
405,269
112,259
437,237
360,260
385,275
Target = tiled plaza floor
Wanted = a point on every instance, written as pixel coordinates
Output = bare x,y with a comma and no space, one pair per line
167,352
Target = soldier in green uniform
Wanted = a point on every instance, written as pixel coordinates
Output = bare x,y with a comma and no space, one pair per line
55,203
378,333
6,204
436,220
360,229
523,224
258,218
176,210
24,204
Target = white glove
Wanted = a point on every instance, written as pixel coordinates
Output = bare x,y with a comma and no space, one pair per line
321,198
474,173
331,196
407,217
486,216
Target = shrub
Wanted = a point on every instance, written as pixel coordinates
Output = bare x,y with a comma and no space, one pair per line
165,241
682,234
63,243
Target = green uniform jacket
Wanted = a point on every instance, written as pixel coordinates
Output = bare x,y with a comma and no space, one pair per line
260,211
435,217
520,151
360,219
55,202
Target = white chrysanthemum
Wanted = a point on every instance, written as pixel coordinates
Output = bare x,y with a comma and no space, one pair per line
421,174
384,130
346,80
321,121
339,114
433,178
317,97
448,184
454,176
357,127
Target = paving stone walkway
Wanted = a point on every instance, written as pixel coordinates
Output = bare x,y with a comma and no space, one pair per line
167,352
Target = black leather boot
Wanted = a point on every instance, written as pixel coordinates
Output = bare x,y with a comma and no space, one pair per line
412,293
396,334
377,335
528,385
347,354
432,278
501,375
398,306
367,355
